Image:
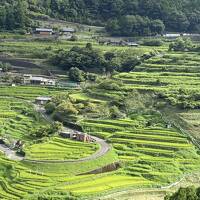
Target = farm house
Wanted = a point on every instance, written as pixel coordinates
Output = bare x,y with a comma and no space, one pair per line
78,136
37,80
44,31
67,31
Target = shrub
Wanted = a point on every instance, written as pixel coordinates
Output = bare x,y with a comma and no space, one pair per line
76,75
189,193
50,107
152,42
110,85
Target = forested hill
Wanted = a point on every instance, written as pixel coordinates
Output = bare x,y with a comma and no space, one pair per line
175,15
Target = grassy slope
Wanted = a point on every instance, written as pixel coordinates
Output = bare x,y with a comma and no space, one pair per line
21,179
147,161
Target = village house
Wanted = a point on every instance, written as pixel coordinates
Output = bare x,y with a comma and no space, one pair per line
42,100
78,136
83,137
67,31
38,80
44,31
117,42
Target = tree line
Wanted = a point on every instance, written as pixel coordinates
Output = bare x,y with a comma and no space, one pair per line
189,193
13,15
79,61
176,15
128,17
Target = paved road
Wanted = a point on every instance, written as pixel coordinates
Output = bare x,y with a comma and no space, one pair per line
10,154
104,146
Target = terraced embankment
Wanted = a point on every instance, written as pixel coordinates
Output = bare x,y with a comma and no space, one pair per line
104,147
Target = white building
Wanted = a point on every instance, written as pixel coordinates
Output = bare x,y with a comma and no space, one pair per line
44,31
38,80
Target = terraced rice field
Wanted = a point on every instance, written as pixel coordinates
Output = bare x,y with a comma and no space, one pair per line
26,180
29,92
150,156
168,73
154,153
17,118
60,149
33,49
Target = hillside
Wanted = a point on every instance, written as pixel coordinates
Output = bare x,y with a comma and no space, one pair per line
87,114
146,109
178,15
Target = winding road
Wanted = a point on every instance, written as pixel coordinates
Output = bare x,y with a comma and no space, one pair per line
104,146
10,154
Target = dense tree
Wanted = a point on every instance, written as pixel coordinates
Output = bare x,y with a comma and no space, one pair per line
182,45
135,25
85,58
77,75
13,15
177,15
46,131
189,193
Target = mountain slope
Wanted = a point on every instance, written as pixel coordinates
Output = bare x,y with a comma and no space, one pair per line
177,15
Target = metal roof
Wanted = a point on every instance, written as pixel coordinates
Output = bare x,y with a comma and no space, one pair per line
43,98
38,79
132,44
44,29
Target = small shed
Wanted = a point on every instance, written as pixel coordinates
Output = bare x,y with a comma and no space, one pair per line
44,31
42,100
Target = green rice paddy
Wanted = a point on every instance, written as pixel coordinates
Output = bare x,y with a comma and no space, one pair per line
149,156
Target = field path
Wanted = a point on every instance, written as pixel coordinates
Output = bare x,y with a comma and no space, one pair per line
104,146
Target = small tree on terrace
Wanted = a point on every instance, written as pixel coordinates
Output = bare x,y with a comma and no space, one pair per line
76,75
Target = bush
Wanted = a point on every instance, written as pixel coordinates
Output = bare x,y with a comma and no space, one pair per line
74,38
76,75
181,44
189,193
115,113
110,85
50,107
152,42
